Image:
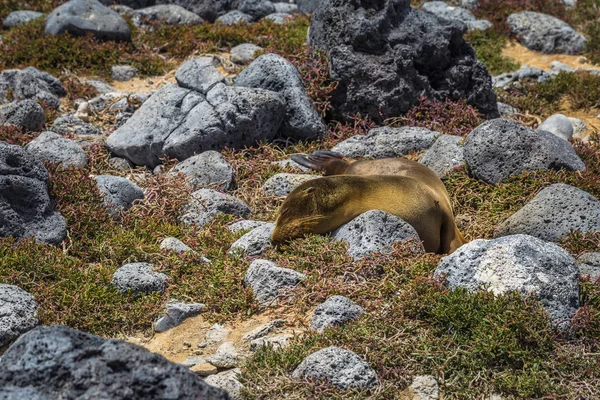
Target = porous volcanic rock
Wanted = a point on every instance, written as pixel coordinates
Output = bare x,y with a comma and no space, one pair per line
206,169
335,311
234,17
520,263
284,183
385,55
277,74
255,242
205,204
553,213
18,313
545,33
446,154
58,362
21,17
24,114
243,53
82,17
119,193
559,125
340,367
179,123
268,281
167,14
140,278
499,149
26,209
30,83
49,146
176,313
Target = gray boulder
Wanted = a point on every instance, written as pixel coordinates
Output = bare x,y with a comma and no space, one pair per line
227,381
206,9
176,313
445,11
174,244
18,313
506,110
279,18
199,74
255,242
520,263
386,55
234,17
243,53
580,128
269,282
426,387
545,33
26,209
245,224
308,6
166,14
17,18
335,311
553,213
387,142
206,204
277,342
24,114
179,123
226,356
275,73
58,362
206,169
263,330
257,9
500,148
49,146
524,74
80,17
119,193
123,73
340,367
372,232
558,125
445,155
289,8
282,184
139,278
70,124
589,264
30,83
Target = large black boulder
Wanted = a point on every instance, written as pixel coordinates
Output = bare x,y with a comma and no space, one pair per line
60,363
385,55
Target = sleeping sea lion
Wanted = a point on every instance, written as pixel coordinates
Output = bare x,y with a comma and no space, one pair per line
399,186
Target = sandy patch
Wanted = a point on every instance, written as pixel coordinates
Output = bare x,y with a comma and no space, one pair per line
534,59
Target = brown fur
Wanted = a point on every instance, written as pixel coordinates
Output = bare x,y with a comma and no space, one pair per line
398,186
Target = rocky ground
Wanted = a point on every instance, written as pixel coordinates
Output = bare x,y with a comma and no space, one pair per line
145,149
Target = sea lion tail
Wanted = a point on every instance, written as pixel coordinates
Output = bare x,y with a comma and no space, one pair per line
330,162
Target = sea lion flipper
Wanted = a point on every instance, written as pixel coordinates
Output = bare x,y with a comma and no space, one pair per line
330,162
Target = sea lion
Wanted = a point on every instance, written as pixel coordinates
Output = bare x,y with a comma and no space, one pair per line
398,186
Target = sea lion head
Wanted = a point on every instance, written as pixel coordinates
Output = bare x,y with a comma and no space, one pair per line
307,209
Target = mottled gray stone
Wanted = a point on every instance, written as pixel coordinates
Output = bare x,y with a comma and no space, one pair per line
174,244
289,8
121,164
26,209
279,18
119,193
199,74
446,11
18,313
335,311
308,6
277,342
70,124
282,184
243,53
545,33
101,86
49,146
372,232
207,169
123,72
553,213
589,264
206,204
226,356
520,263
275,73
425,387
499,149
387,142
179,123
290,164
268,281
166,14
257,9
524,74
263,330
506,110
445,155
17,18
255,242
81,17
340,367
30,83
580,128
558,125
24,114
227,381
139,278
245,224
176,313
234,17
60,363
